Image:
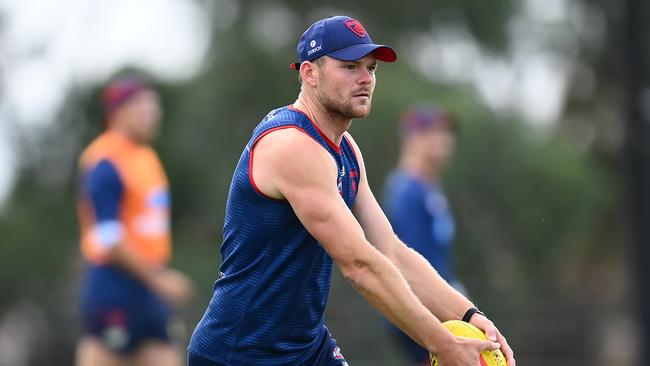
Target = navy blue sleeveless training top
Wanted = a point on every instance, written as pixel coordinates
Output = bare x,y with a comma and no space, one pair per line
267,307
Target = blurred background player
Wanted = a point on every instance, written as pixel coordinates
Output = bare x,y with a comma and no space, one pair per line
415,203
128,294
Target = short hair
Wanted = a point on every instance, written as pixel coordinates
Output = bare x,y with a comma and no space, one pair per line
421,116
121,90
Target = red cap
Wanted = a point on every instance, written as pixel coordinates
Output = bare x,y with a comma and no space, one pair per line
419,117
120,91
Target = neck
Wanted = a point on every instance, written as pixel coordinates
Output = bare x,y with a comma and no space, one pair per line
123,132
333,126
419,168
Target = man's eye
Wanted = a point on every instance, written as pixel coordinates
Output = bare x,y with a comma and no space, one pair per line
350,67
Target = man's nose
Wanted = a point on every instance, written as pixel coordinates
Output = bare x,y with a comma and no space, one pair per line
365,76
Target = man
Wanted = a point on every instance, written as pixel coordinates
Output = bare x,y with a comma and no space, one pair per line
298,201
128,293
414,203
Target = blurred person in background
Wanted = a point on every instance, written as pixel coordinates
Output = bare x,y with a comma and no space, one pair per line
128,295
415,203
298,202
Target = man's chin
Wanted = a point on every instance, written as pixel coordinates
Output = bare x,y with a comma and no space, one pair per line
361,112
352,111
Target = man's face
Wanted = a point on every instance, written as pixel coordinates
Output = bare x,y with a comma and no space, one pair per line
142,115
437,144
345,87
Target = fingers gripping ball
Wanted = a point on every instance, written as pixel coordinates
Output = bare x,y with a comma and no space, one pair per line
462,329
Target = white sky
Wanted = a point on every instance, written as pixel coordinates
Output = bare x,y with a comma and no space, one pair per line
47,46
532,79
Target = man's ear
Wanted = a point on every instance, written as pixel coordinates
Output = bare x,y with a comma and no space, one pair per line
309,73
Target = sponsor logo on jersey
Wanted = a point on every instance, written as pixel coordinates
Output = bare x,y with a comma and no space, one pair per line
336,353
339,183
354,178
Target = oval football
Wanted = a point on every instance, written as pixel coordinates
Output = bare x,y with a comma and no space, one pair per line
463,329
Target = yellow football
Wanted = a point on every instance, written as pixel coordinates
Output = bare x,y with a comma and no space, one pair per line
462,329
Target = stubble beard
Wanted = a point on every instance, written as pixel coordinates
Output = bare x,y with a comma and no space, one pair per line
340,109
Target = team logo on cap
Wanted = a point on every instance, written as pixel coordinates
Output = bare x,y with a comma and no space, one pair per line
356,27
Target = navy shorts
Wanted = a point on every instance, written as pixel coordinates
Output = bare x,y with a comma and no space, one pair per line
122,313
329,354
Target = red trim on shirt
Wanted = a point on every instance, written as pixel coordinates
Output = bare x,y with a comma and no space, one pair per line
329,142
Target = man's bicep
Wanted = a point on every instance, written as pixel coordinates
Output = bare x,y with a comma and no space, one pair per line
329,220
308,182
301,171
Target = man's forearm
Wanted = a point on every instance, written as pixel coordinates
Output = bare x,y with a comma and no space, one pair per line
120,256
434,292
384,287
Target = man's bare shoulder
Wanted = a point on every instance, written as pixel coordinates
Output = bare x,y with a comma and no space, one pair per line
288,160
289,142
292,153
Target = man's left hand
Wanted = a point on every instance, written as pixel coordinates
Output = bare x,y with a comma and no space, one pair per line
493,334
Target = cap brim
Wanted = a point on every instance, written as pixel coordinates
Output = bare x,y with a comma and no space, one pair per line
357,51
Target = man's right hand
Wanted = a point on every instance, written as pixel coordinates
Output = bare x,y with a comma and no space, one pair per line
170,284
173,286
464,351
